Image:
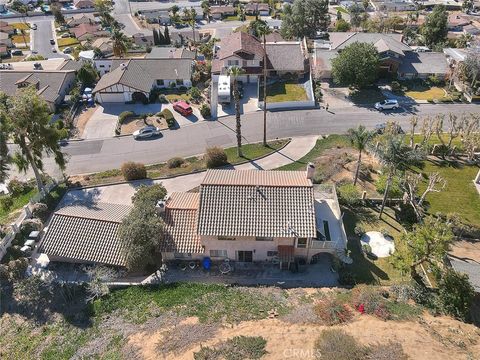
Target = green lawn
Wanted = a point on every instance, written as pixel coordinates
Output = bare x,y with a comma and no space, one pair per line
253,151
433,93
284,91
321,145
433,139
18,202
62,42
380,271
460,195
341,9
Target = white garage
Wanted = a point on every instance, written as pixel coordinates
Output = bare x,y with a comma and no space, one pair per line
110,97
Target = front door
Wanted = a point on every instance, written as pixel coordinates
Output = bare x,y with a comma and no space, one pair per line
245,256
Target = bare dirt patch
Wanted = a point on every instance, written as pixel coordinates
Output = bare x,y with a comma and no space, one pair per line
83,119
133,124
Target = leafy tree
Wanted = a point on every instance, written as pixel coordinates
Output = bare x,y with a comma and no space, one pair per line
342,25
395,156
149,194
4,155
87,74
435,28
141,231
471,66
359,138
206,9
356,65
305,18
105,9
463,40
456,294
235,72
355,16
428,242
156,40
97,286
28,118
119,43
166,35
263,30
57,13
468,5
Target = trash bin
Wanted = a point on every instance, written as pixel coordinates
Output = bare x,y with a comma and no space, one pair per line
207,263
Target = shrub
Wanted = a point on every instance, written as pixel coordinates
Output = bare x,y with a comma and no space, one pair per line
162,99
333,312
134,171
168,116
369,300
215,157
195,93
396,86
40,211
29,225
406,214
359,230
237,348
175,162
395,188
388,351
456,294
205,111
16,187
336,344
346,277
348,195
6,202
124,116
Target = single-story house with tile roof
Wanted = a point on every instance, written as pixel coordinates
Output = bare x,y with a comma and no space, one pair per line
242,215
78,19
88,31
133,79
104,44
51,85
261,9
83,4
86,233
6,28
421,65
219,12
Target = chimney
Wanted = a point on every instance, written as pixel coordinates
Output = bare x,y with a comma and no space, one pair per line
160,207
310,171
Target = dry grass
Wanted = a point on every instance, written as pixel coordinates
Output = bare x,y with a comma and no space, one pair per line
181,337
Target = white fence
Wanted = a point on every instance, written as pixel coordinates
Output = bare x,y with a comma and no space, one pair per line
286,105
26,213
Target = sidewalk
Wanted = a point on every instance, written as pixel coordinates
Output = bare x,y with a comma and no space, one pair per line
122,193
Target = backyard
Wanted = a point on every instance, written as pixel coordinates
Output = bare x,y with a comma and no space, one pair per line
284,91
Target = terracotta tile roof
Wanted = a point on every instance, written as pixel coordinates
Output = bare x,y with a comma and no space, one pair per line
180,233
86,234
256,203
240,42
221,9
257,177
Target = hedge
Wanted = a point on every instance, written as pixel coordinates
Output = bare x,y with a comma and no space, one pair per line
168,116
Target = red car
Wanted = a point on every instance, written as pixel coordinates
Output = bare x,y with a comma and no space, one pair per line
183,108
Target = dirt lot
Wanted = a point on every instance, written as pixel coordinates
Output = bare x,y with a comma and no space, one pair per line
134,124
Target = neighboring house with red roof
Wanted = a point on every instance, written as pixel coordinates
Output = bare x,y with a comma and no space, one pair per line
83,4
87,31
6,28
3,50
254,8
219,12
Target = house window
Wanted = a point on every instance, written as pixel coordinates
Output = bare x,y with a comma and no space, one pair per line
160,82
179,82
245,256
272,253
302,243
227,238
233,62
218,253
102,66
264,238
320,236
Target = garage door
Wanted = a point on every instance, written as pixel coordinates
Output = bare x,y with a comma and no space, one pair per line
111,98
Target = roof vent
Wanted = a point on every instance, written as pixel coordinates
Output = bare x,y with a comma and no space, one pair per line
123,66
310,171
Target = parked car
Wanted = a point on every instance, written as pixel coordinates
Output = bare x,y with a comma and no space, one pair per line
67,50
388,104
146,132
34,27
183,108
17,52
52,42
66,35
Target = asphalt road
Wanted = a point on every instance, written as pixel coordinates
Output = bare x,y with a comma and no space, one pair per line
41,39
102,154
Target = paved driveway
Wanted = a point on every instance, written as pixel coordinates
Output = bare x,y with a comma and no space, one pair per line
185,120
248,104
102,124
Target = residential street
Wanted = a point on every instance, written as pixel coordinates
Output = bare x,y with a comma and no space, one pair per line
41,39
97,155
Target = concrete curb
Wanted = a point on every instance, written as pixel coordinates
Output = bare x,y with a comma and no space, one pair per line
177,175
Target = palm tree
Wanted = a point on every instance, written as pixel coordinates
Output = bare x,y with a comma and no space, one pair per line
235,72
119,43
395,156
263,30
192,20
28,117
359,138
